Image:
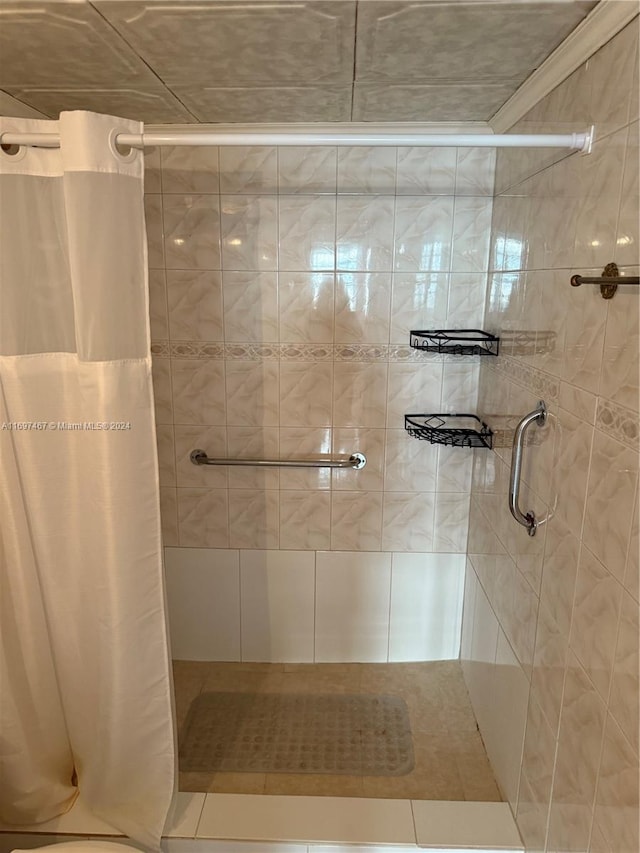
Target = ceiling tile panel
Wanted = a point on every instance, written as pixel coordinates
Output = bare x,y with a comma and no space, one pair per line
9,106
272,104
446,102
154,107
63,44
221,43
425,41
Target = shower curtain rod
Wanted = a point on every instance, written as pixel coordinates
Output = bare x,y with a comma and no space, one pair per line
576,141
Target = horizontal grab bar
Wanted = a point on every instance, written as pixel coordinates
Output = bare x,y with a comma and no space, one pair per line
528,519
608,281
577,280
355,461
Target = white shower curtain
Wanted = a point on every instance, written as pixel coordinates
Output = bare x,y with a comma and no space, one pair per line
84,663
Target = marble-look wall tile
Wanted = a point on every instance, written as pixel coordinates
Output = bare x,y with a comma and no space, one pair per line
423,233
623,700
561,554
451,522
599,180
305,520
370,442
536,778
152,173
426,171
575,781
619,375
154,229
190,170
471,221
359,394
418,301
250,306
213,440
253,443
203,517
307,232
549,663
578,402
362,307
198,391
306,306
531,817
169,515
408,521
612,486
158,317
282,344
411,390
195,305
454,470
475,171
305,442
305,394
364,169
572,455
254,519
627,242
307,169
162,396
364,233
356,521
608,81
465,308
249,232
594,627
248,169
191,231
562,214
616,810
166,454
410,465
459,387
252,393
631,578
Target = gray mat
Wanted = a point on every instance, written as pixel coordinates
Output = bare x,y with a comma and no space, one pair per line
358,735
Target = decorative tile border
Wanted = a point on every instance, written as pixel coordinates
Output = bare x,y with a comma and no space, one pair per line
611,418
294,352
160,349
618,422
537,381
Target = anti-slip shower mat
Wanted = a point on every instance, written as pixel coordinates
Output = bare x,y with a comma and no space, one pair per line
357,735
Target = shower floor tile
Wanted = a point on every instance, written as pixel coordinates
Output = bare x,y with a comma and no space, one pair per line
450,759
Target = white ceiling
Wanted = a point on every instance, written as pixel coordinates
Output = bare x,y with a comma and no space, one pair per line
165,61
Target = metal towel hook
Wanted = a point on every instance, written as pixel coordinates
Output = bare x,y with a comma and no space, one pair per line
526,519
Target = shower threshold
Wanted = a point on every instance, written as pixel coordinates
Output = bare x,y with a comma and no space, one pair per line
245,823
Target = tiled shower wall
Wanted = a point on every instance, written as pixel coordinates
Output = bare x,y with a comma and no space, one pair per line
284,283
550,633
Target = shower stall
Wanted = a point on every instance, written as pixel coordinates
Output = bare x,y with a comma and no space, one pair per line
370,360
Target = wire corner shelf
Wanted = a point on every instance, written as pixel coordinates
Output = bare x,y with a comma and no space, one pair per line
455,341
451,430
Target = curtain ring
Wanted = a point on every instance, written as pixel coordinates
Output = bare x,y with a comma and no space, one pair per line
124,157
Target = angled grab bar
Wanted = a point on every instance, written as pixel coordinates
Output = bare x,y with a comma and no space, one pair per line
526,519
355,461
